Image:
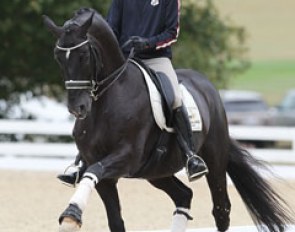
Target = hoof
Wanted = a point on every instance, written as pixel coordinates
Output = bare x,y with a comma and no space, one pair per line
69,225
72,213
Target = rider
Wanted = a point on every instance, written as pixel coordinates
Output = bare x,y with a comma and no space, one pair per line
152,26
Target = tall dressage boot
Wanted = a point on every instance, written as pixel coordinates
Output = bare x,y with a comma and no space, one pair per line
195,166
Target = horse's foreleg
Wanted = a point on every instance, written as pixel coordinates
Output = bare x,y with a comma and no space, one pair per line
181,196
107,189
106,169
71,219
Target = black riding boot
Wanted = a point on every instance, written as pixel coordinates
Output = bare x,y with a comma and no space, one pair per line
73,178
195,166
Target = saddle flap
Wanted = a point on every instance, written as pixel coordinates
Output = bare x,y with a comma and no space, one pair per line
192,109
157,104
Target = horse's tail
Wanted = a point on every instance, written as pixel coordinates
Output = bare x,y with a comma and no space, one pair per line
265,206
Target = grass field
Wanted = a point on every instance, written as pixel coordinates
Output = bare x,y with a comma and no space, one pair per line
271,78
271,33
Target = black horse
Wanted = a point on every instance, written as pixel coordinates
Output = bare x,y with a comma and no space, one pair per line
116,134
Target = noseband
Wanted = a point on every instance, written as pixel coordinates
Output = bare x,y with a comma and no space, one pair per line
92,85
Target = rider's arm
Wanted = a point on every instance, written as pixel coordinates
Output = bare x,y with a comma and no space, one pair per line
170,34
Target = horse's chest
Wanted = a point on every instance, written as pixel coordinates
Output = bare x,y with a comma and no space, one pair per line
89,141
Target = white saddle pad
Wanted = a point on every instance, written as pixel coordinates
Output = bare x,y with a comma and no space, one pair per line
156,104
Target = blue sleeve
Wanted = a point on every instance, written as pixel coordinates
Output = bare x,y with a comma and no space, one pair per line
114,17
170,34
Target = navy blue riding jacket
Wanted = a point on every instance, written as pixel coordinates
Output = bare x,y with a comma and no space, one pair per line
156,20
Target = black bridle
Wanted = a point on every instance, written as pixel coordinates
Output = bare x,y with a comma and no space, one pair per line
95,86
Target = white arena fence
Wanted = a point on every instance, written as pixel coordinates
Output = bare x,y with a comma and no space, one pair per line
268,134
68,150
36,149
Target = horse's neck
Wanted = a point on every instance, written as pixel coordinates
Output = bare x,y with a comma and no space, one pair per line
112,57
111,53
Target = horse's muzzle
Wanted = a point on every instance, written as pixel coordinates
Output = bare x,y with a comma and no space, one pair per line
79,103
79,112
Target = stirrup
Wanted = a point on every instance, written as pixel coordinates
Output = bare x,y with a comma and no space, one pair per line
195,170
77,168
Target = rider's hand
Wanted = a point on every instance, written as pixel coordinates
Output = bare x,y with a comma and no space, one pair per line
140,44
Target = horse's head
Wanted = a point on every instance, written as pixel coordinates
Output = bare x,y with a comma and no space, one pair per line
78,61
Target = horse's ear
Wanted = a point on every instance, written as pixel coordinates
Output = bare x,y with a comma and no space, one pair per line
56,30
84,28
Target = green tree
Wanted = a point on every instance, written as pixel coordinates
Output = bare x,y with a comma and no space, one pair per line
26,52
27,65
209,44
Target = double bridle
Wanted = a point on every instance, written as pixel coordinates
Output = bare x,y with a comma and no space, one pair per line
94,84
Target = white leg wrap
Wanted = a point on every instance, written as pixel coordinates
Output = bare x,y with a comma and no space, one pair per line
179,221
83,192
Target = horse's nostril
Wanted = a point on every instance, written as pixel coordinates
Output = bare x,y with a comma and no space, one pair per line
82,111
82,108
79,112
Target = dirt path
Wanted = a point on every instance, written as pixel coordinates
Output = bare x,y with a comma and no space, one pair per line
32,202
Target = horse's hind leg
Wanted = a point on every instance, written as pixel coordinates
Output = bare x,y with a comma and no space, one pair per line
218,188
107,189
221,203
181,196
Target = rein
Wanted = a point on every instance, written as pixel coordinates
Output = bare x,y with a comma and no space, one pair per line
93,85
115,76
